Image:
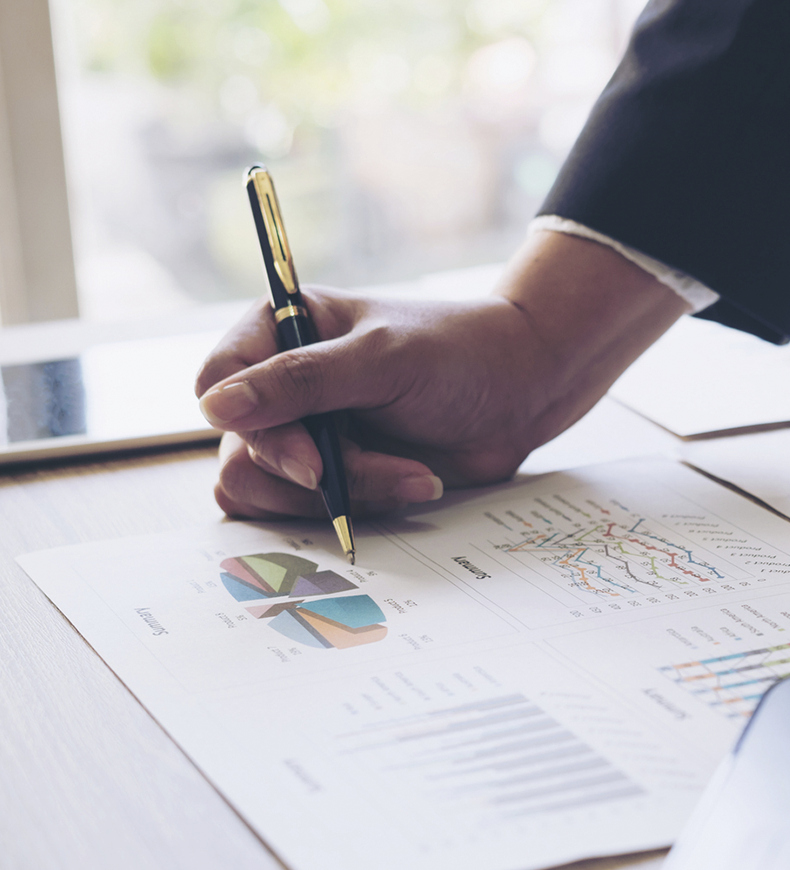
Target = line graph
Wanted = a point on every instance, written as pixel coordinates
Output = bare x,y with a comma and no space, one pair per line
610,560
610,552
733,684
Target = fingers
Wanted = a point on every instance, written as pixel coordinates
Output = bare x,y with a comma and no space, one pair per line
355,371
254,338
247,490
378,482
258,486
287,451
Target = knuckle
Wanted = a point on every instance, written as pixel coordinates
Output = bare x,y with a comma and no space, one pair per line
379,338
226,503
359,483
394,357
242,511
213,369
488,467
258,443
234,476
299,380
333,312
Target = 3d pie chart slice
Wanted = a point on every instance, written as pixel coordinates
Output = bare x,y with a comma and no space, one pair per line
342,636
337,623
264,575
320,583
355,611
267,611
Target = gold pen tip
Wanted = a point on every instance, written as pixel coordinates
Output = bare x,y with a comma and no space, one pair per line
345,534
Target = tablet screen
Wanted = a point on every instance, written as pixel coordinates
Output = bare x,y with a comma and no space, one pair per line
110,397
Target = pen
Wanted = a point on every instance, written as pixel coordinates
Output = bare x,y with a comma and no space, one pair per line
295,329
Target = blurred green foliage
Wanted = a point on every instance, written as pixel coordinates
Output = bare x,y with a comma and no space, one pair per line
311,57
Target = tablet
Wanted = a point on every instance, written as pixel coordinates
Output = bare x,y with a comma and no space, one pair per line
741,822
116,396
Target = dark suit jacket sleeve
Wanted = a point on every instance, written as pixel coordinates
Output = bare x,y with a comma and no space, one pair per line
686,155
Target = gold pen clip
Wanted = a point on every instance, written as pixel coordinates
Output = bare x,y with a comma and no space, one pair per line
275,229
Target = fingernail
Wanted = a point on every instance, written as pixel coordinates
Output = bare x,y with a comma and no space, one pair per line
299,473
419,487
225,404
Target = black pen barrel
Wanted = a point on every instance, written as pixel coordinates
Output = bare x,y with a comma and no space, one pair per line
296,330
334,487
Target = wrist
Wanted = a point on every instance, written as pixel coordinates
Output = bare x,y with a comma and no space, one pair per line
592,311
568,284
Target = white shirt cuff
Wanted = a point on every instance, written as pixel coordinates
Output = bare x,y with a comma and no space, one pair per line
697,295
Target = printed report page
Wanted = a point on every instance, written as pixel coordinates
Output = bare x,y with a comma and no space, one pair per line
521,676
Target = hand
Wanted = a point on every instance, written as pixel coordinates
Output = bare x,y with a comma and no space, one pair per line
435,393
418,378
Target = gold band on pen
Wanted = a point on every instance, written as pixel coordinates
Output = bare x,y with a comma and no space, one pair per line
289,311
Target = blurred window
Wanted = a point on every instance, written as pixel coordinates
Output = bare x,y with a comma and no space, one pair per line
404,137
36,265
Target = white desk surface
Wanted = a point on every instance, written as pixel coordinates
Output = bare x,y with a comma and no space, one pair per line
87,778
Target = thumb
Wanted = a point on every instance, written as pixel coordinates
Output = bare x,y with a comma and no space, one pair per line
326,376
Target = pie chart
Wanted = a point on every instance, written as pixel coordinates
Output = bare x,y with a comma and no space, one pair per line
266,575
276,587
